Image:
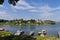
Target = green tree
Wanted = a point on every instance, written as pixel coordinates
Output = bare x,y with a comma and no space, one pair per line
13,2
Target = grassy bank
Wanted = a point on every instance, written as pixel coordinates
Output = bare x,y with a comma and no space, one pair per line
3,33
46,38
9,36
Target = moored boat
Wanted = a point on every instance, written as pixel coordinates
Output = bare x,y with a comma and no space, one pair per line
2,29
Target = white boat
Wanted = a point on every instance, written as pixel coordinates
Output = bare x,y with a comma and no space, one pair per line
19,32
2,29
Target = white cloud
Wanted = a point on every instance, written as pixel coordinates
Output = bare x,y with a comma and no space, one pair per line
6,15
2,12
22,5
46,15
43,11
46,11
32,10
45,8
1,5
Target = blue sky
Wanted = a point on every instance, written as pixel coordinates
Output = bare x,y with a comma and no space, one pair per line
31,9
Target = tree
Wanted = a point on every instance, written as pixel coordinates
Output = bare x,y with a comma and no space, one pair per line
13,2
1,1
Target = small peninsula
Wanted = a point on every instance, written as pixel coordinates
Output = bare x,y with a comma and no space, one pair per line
26,22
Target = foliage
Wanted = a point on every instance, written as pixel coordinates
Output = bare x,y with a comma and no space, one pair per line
49,22
13,2
3,33
21,37
25,22
52,38
1,1
40,38
24,37
46,38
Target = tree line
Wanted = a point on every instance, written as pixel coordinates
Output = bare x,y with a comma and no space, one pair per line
25,22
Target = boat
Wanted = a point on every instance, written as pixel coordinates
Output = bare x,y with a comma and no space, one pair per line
19,32
2,29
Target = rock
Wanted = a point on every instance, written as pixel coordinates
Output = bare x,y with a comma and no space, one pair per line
42,35
19,32
39,33
31,33
58,34
43,32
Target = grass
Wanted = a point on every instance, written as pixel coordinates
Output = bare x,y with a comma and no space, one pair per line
46,38
4,33
39,38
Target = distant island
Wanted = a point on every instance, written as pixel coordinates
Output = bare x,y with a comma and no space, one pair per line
26,22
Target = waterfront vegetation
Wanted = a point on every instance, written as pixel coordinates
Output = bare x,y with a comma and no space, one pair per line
3,33
9,36
26,22
46,38
24,37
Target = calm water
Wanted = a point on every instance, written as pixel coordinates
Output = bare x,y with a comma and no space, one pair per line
51,29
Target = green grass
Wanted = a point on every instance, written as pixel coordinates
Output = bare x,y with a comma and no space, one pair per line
45,38
5,33
39,38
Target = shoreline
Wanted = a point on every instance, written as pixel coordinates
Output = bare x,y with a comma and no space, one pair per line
17,37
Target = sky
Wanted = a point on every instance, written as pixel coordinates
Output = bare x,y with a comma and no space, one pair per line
31,9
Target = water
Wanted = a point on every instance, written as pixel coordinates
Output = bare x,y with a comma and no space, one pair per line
51,29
